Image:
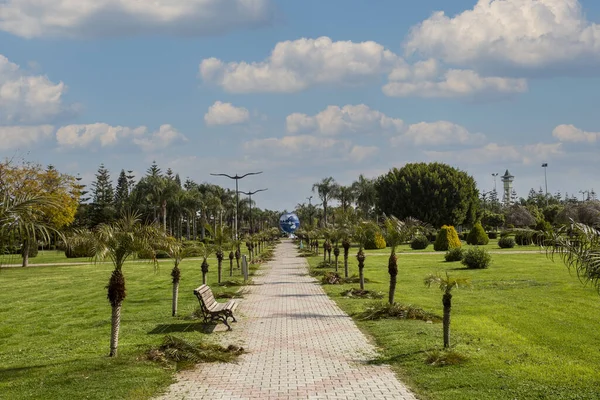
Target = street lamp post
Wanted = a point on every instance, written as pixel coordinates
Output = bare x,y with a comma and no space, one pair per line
249,194
495,174
237,194
545,166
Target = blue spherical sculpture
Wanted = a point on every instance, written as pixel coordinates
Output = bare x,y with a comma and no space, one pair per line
289,223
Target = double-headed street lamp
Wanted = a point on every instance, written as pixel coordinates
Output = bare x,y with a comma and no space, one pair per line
237,194
249,194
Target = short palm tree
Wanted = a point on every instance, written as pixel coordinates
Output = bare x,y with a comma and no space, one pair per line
173,247
205,251
578,245
22,216
446,284
361,234
119,241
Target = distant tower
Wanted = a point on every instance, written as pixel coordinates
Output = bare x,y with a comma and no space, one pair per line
507,179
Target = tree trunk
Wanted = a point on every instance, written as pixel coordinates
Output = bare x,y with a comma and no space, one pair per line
447,302
336,263
393,271
175,298
25,253
114,331
164,214
230,265
361,265
219,269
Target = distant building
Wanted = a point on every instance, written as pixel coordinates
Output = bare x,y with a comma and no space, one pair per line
508,179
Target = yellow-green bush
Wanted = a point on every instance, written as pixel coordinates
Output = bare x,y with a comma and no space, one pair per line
375,241
447,238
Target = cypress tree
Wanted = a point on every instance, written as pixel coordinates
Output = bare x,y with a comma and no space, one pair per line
103,208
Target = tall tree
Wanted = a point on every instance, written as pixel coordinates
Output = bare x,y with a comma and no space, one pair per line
103,197
434,193
326,189
346,195
366,195
121,192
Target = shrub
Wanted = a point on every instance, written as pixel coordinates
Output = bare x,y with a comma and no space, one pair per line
524,238
506,243
82,250
447,239
477,236
147,255
455,254
477,258
492,235
375,241
382,310
192,251
419,243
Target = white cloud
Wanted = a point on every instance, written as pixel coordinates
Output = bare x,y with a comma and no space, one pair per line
360,153
28,99
349,118
570,133
83,136
437,133
98,18
452,83
291,145
526,154
296,65
14,137
520,33
165,136
226,114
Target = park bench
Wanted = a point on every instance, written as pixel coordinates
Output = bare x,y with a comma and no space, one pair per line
213,310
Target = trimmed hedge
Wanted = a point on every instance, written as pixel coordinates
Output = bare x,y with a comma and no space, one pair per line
455,254
477,258
419,243
477,236
506,243
447,238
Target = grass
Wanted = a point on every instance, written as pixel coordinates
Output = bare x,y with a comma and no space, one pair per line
55,329
526,329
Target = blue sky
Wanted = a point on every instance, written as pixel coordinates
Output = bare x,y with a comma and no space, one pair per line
304,90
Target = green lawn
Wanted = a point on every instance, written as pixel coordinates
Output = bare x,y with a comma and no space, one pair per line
528,328
43,257
55,329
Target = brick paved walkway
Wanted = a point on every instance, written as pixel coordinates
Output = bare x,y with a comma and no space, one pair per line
300,345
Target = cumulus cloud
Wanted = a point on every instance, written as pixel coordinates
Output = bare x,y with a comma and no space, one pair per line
360,153
347,119
290,145
99,18
26,98
570,133
524,154
296,65
438,133
526,34
15,137
226,114
104,135
427,81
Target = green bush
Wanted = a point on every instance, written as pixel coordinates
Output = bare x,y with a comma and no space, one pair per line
447,239
192,251
375,241
79,251
492,235
477,258
420,243
477,236
506,243
455,254
524,238
147,255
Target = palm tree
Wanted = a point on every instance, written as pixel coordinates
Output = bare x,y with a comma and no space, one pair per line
361,235
578,245
365,194
446,284
175,250
346,195
326,189
206,251
22,216
119,241
346,243
397,232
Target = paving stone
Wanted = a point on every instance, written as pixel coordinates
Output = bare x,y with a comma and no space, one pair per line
300,345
